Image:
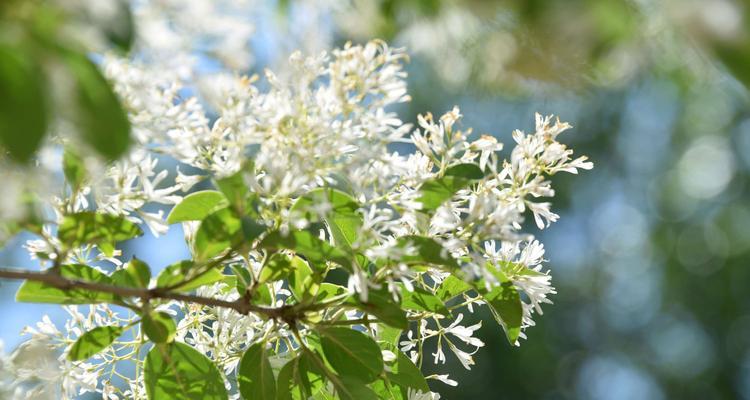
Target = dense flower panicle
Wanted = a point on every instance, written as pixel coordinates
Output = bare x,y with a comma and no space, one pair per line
324,122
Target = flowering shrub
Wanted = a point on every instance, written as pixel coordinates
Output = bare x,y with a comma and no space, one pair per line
324,263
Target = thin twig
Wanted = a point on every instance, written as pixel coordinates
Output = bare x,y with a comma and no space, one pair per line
240,305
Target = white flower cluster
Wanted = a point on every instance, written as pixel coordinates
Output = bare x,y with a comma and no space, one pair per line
324,122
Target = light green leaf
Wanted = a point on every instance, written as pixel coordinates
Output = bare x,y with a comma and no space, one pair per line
437,191
74,168
216,233
505,305
422,300
136,273
24,112
302,282
98,113
197,206
452,287
159,327
176,371
255,375
299,379
38,292
88,227
185,270
305,243
352,353
93,342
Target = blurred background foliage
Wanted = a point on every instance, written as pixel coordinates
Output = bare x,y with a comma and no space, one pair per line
651,255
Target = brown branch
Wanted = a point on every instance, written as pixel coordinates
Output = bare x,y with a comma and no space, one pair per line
241,305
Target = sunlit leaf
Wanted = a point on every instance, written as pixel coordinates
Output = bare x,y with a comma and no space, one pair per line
437,191
93,342
197,206
254,375
179,372
38,292
159,327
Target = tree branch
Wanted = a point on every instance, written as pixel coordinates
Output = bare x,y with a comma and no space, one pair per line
241,305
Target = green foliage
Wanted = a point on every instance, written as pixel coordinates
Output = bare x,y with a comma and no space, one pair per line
159,327
135,273
24,111
93,342
98,114
184,276
37,292
505,303
437,191
316,251
88,227
382,306
197,206
255,375
352,354
177,371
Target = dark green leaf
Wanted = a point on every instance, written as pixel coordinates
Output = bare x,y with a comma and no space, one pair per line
254,375
305,243
186,270
93,342
88,227
177,371
159,327
98,113
37,292
24,112
352,353
197,206
349,388
136,273
437,191
382,306
405,374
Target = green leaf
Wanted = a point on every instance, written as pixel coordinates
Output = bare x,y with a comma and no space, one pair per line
243,276
342,218
24,113
73,169
405,374
93,342
177,371
305,243
505,305
120,30
88,227
422,300
330,292
352,353
302,282
159,327
197,206
349,388
216,233
278,267
255,375
452,287
235,190
381,305
98,113
299,379
425,250
136,273
437,191
38,292
185,270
